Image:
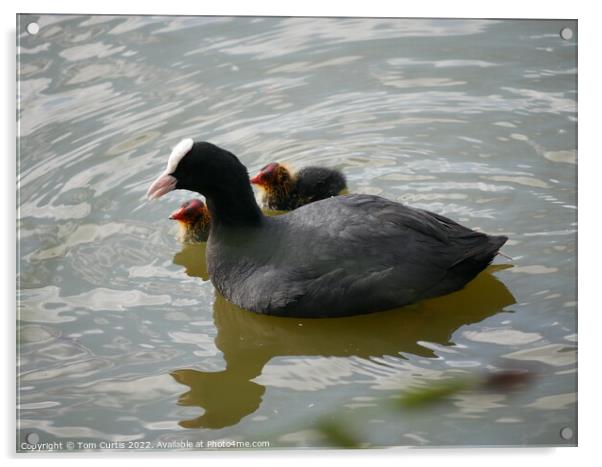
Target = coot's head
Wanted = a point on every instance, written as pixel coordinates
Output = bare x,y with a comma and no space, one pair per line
191,212
271,176
201,167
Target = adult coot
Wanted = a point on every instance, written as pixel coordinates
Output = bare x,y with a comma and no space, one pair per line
194,221
284,190
340,256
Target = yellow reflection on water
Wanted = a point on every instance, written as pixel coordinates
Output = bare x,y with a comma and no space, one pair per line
192,257
249,341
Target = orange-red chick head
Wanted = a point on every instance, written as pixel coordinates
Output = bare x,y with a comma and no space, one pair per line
271,175
190,212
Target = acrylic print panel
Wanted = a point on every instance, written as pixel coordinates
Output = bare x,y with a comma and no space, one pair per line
123,341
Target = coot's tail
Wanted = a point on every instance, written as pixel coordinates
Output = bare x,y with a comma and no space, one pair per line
485,251
478,256
501,253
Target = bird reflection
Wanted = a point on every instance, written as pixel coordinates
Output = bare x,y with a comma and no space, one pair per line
249,341
192,257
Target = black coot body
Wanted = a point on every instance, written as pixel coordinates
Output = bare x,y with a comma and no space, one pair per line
340,256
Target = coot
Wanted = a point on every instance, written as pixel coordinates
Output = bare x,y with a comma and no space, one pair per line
340,256
284,190
194,221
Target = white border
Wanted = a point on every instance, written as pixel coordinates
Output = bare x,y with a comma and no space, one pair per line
589,213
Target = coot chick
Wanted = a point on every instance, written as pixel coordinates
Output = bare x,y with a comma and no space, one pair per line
284,191
340,256
194,221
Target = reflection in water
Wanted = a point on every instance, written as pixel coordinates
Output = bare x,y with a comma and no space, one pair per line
249,341
192,257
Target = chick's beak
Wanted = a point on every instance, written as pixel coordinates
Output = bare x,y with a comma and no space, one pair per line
163,184
177,215
257,179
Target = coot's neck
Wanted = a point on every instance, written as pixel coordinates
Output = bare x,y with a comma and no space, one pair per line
234,206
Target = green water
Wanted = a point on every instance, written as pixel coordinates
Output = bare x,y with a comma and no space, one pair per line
121,337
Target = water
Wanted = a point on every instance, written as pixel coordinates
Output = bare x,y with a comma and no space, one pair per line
122,337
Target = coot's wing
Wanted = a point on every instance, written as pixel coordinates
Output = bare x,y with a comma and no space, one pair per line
366,251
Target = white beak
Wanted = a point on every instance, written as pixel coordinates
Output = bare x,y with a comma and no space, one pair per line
163,184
